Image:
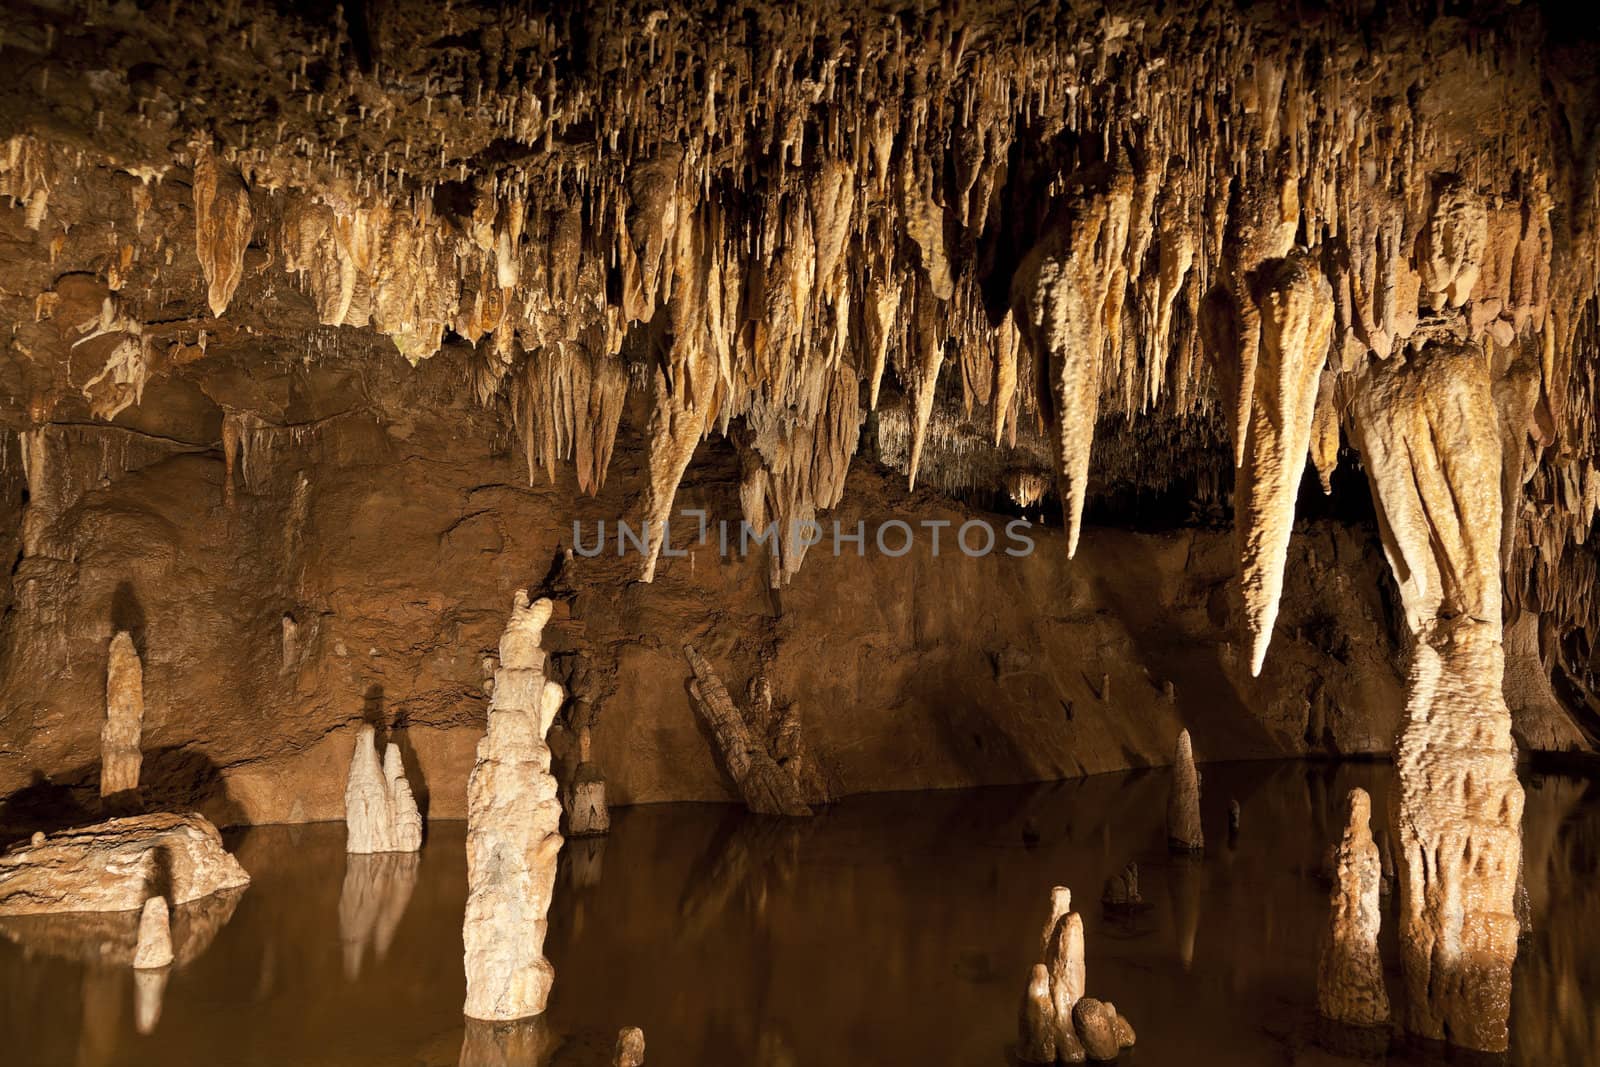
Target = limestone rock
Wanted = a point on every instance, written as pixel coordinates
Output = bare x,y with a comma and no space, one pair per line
1096,1023
1036,1022
767,789
380,810
513,831
585,801
1349,969
1121,891
115,865
155,936
119,738
222,224
1183,806
630,1048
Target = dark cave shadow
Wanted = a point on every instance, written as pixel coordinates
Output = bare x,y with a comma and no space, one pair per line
128,614
171,779
398,733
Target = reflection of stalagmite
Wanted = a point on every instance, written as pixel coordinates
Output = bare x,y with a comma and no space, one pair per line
372,901
1349,970
516,1043
119,738
154,948
1296,305
380,810
513,820
1183,805
630,1048
767,789
149,990
1067,299
1429,441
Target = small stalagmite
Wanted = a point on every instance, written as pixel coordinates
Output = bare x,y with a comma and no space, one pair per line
1349,970
587,815
1036,1022
513,830
119,737
1048,1024
1183,806
630,1048
155,936
380,810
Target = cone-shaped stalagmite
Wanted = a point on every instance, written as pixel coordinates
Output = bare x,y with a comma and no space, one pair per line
767,789
119,737
1067,299
380,810
155,935
513,838
630,1048
1429,440
1296,305
1349,970
1183,805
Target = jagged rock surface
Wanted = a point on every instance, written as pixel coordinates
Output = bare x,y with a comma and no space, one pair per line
767,788
114,865
513,830
630,1048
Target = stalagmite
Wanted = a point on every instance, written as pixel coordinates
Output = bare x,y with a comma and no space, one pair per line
155,936
222,222
1296,305
1036,1022
1429,441
1183,805
767,789
630,1048
585,802
380,810
1349,970
1067,299
513,837
1049,1029
119,737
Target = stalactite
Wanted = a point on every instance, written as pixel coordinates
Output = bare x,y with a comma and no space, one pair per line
222,224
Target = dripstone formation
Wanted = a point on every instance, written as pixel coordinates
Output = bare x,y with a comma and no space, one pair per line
513,835
1349,970
380,809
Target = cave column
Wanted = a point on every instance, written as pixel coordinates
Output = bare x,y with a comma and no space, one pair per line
1429,439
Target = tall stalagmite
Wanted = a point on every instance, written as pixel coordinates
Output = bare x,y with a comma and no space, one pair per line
1183,803
1349,970
1427,431
119,737
513,835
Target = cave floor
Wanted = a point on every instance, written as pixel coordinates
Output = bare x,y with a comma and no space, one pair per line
893,929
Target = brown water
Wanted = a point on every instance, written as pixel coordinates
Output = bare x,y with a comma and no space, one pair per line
890,930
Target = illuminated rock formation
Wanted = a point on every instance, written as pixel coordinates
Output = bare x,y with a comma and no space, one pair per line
513,835
767,789
1427,431
630,1048
1036,1021
1183,804
119,737
222,222
154,948
380,810
111,866
1049,1028
1349,970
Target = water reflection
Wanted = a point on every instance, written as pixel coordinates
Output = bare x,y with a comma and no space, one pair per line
889,930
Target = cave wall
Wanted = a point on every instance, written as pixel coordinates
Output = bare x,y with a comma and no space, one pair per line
391,534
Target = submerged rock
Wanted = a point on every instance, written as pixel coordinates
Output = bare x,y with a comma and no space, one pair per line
116,865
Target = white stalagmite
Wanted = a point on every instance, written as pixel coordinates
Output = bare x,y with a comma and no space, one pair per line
1296,305
154,948
513,837
380,810
1067,298
1429,439
1349,969
1183,806
119,737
